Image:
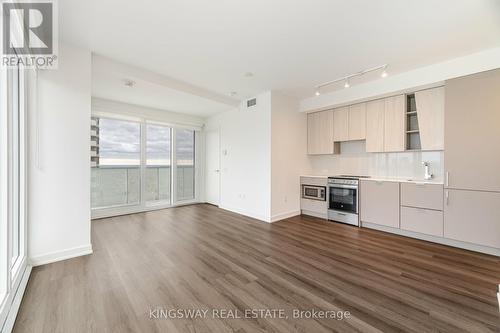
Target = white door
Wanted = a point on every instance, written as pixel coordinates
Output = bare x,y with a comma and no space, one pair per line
212,167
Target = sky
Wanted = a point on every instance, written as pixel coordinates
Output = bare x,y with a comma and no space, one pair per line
120,141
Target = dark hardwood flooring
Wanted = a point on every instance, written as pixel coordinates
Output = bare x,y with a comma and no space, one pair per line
202,257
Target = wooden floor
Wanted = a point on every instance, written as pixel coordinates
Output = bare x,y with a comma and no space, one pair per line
202,257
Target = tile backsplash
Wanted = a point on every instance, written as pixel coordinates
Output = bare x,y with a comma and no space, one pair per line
356,161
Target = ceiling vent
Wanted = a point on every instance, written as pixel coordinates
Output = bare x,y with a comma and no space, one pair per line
251,102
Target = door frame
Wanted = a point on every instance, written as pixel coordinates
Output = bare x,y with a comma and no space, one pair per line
218,131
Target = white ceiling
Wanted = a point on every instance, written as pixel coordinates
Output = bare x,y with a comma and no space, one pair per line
153,90
289,46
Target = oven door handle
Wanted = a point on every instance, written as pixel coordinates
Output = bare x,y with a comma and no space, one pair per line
352,187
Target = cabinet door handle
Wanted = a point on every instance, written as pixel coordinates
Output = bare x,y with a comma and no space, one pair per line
447,179
447,197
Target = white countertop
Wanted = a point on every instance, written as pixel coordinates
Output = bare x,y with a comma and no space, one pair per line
404,180
313,176
388,179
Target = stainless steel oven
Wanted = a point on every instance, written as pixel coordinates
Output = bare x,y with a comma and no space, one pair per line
314,192
343,200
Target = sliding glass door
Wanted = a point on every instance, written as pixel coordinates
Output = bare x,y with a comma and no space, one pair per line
184,157
12,186
138,165
116,161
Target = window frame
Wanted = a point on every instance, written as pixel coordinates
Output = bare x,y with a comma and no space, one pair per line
143,205
158,203
195,162
13,195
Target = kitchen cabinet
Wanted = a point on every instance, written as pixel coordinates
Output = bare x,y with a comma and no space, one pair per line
430,114
472,216
341,124
394,123
471,132
317,208
357,122
320,133
379,202
428,196
375,126
425,221
422,208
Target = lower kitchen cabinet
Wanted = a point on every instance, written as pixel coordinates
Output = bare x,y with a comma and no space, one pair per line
472,216
379,202
421,195
421,220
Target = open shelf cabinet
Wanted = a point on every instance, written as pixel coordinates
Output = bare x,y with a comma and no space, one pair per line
412,129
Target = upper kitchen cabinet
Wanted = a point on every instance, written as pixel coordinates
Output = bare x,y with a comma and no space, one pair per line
471,132
394,123
375,126
430,114
357,122
320,133
341,124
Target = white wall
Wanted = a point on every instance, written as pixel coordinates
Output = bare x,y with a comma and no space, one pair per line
245,135
266,149
59,165
288,155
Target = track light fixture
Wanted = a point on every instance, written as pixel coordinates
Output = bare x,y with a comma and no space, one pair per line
347,78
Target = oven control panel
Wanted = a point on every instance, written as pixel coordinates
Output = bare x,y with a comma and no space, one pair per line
342,181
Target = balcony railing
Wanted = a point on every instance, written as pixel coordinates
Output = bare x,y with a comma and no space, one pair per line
121,185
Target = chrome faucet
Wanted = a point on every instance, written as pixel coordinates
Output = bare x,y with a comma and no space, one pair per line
427,175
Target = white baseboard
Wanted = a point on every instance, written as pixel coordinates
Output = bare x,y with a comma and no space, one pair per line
246,213
498,297
286,215
435,239
315,214
16,303
61,255
126,210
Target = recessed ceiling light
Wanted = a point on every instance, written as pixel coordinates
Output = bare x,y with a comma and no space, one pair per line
129,83
384,74
346,84
248,74
317,93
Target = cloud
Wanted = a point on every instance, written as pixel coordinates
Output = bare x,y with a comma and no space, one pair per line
119,139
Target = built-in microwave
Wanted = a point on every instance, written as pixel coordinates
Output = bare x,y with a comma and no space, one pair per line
314,192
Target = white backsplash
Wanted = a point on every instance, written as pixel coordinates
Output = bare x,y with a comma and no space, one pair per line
356,161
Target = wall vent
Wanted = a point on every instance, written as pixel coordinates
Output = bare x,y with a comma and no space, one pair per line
251,102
